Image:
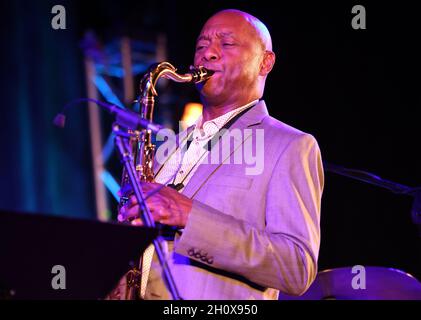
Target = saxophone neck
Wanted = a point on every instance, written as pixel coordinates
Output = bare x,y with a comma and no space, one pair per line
168,71
195,75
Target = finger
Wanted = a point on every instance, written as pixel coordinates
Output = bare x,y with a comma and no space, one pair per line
132,200
121,213
164,213
168,221
161,215
137,222
150,185
151,188
129,213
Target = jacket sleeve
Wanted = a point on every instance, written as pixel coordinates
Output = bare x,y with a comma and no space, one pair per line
284,254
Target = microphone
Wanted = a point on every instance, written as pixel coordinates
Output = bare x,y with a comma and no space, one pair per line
124,117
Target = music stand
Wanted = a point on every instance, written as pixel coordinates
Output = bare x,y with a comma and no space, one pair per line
95,255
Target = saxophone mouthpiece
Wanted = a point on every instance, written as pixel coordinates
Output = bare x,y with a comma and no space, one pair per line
200,74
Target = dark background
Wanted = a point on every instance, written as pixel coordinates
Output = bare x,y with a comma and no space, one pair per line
356,91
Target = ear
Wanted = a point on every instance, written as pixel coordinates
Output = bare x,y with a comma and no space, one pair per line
267,63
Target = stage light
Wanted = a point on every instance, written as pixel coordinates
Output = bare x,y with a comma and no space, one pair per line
192,111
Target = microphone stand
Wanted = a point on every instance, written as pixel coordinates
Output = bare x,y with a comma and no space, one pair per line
385,184
121,141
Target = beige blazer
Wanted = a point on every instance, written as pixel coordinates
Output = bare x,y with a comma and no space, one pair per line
249,236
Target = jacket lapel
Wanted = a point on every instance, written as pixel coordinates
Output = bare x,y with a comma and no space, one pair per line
204,171
179,139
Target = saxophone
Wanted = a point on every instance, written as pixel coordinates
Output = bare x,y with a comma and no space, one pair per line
143,150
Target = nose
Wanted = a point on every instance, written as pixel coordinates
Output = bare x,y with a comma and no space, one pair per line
211,53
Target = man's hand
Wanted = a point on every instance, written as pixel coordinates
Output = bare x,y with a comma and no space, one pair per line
167,206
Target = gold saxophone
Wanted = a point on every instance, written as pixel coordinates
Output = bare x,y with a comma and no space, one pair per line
141,143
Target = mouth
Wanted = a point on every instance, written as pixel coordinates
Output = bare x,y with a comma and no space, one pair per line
213,69
213,72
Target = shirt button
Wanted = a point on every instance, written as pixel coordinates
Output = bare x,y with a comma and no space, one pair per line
181,172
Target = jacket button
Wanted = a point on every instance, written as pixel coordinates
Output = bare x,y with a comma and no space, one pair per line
203,253
204,258
197,255
191,252
210,260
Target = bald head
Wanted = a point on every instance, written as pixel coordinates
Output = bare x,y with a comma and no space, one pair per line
256,27
238,48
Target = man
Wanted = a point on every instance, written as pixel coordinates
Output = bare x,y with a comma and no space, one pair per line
244,234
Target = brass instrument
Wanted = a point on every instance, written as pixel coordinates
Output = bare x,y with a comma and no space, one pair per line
141,142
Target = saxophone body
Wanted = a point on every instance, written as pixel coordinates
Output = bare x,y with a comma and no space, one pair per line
143,149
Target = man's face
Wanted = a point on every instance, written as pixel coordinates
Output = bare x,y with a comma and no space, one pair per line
229,46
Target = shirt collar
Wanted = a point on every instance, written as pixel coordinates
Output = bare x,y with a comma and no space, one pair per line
211,127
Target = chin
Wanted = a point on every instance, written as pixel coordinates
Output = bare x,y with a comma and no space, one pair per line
206,89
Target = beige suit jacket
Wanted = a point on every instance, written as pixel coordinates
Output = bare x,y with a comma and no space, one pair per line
249,236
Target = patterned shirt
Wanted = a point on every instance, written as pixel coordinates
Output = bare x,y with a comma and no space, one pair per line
176,172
